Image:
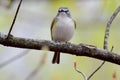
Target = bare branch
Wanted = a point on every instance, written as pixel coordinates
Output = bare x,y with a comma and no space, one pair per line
14,19
5,63
79,71
38,68
40,65
108,27
114,75
98,67
105,46
96,70
79,50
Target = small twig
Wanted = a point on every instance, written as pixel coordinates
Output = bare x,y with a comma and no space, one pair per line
3,64
40,65
112,48
96,70
98,67
85,78
36,70
114,76
14,19
105,46
75,67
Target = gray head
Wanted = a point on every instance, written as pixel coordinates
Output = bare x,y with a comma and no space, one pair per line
63,11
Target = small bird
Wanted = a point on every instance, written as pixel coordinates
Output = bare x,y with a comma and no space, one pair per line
62,29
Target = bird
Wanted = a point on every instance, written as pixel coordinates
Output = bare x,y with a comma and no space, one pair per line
62,29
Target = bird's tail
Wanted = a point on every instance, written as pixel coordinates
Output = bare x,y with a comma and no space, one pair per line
56,58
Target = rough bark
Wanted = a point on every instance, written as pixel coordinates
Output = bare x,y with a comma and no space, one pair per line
69,48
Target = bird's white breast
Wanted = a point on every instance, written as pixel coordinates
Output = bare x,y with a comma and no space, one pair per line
64,29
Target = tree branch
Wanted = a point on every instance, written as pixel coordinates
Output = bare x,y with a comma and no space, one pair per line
108,27
7,62
107,31
14,19
79,50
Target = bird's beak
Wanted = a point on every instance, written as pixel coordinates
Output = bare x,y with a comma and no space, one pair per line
63,13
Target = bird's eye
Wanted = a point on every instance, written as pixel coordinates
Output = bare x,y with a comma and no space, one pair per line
66,11
63,10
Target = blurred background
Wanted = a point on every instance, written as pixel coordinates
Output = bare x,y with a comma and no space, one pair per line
34,21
